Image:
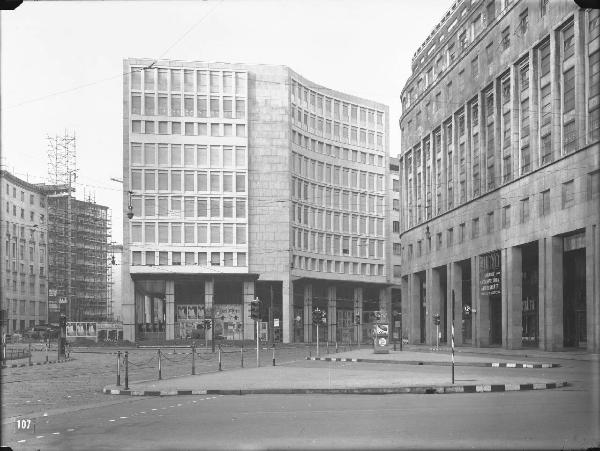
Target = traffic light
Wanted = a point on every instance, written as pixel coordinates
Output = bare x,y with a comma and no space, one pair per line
317,316
277,334
255,309
436,319
324,317
207,324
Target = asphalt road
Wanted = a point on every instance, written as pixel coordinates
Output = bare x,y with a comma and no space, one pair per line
553,419
78,416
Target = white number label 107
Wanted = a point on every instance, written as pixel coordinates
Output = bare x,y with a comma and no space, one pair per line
24,424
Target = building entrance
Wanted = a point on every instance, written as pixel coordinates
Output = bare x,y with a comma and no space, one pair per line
530,289
495,320
574,301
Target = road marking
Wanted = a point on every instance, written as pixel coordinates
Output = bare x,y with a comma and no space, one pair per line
122,418
111,420
39,436
70,430
154,409
21,441
142,412
56,433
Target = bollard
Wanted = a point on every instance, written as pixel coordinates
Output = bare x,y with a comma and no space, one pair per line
220,369
30,354
336,347
327,345
159,366
118,368
242,353
126,370
273,354
193,360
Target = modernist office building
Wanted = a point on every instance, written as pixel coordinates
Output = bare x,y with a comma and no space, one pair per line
251,181
500,177
23,262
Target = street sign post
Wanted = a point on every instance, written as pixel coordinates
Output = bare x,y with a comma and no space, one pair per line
453,336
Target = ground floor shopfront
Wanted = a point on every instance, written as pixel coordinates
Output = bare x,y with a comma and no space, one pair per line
177,307
541,294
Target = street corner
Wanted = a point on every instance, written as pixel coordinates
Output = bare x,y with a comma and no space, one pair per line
411,389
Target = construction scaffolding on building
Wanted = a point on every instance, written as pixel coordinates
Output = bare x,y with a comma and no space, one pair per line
78,237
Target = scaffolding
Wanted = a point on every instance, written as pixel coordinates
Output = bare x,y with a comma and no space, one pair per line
78,237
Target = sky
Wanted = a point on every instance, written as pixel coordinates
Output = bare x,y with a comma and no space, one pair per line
61,65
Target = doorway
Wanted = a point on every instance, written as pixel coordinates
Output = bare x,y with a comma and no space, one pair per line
495,320
574,301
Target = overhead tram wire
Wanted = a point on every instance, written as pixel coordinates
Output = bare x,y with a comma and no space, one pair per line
123,74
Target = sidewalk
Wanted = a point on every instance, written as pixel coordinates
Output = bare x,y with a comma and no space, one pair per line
523,353
304,377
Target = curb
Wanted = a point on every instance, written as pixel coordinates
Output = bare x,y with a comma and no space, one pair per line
417,362
21,365
443,389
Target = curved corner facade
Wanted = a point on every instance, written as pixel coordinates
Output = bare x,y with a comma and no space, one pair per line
250,181
500,178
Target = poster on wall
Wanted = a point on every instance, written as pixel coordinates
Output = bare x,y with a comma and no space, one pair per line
81,329
490,274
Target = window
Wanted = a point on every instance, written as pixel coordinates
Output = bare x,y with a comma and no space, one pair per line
506,217
490,222
568,42
544,59
594,94
546,145
524,213
475,67
524,21
593,185
525,160
545,203
568,194
569,90
450,237
491,11
544,7
505,41
461,232
546,106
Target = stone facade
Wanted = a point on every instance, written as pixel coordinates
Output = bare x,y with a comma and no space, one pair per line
500,162
289,125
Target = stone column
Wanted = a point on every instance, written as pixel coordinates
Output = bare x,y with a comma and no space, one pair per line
551,293
414,325
512,295
405,306
170,309
474,300
248,297
358,308
331,314
287,310
455,284
209,287
308,313
482,319
128,308
147,309
592,277
434,302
